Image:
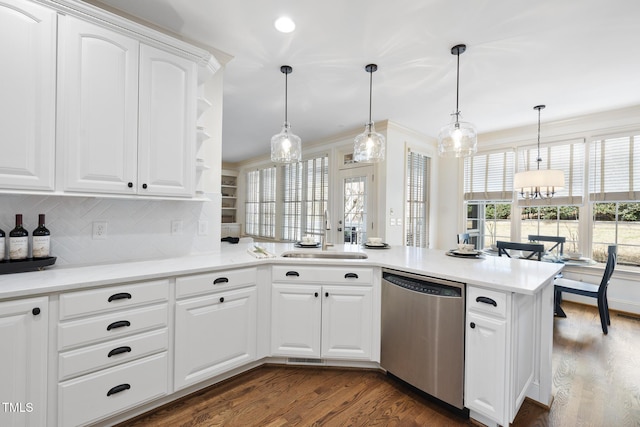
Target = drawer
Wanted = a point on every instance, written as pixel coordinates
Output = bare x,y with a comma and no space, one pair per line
112,325
89,359
311,274
487,301
102,300
107,392
215,281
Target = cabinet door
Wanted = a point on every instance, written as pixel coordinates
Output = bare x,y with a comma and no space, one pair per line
167,124
23,362
27,104
98,108
214,334
346,322
295,320
485,366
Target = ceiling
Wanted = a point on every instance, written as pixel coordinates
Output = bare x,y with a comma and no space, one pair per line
575,57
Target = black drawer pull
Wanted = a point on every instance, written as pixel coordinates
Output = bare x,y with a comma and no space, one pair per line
118,324
221,280
292,273
351,276
118,389
119,350
487,300
121,295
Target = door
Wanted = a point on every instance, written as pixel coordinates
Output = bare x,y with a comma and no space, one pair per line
98,108
167,127
23,362
214,334
27,104
295,320
357,218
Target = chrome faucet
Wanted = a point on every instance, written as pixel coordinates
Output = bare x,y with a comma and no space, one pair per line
327,227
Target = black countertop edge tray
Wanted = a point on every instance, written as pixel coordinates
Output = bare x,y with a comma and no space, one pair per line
29,264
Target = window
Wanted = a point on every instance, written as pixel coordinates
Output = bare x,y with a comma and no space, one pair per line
614,188
289,201
260,205
305,187
552,221
417,220
488,190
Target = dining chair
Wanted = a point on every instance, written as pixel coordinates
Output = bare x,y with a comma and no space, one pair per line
463,238
590,289
534,249
559,241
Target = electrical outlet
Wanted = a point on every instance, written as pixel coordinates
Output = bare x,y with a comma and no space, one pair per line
99,230
203,228
392,222
176,227
399,222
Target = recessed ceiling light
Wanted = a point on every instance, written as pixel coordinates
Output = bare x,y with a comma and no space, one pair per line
285,25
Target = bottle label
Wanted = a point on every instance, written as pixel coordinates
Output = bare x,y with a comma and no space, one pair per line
18,247
1,248
41,245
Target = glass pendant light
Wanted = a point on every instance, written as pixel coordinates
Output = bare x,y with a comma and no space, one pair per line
538,184
458,139
369,146
286,146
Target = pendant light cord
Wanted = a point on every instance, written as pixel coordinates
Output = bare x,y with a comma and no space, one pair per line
286,95
370,91
458,86
539,159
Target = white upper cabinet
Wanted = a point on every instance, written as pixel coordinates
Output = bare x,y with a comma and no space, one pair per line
127,114
27,104
98,108
167,123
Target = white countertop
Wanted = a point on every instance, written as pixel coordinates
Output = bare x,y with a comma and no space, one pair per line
500,273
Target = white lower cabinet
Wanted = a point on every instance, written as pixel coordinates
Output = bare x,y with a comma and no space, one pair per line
23,362
329,321
499,362
216,330
112,350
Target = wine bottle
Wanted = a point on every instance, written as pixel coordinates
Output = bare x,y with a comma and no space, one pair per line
1,244
41,239
18,241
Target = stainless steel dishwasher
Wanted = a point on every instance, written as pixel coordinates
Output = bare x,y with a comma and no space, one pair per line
423,333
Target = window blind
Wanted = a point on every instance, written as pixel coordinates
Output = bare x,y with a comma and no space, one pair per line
567,156
317,193
260,202
489,176
416,221
292,200
614,169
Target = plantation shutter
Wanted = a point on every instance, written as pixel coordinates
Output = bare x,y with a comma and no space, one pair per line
567,156
489,176
416,222
317,193
292,200
268,202
614,166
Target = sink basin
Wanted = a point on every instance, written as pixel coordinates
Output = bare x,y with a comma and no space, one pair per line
325,255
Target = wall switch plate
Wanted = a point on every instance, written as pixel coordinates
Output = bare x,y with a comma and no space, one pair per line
203,228
99,231
176,227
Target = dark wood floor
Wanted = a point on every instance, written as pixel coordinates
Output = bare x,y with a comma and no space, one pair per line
596,383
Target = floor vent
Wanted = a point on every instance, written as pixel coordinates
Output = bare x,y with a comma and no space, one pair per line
629,316
305,361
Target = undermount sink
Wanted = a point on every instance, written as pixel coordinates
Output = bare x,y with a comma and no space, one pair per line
325,255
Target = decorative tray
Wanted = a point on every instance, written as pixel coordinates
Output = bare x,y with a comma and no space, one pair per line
374,246
460,254
29,264
307,245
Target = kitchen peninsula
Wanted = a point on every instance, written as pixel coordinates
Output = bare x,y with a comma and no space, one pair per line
152,350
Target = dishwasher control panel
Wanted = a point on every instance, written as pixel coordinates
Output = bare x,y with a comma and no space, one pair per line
423,286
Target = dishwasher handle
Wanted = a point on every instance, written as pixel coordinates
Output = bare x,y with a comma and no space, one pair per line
487,300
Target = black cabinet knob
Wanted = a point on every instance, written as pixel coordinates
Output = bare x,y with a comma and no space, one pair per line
316,295
35,311
130,185
221,299
144,186
473,325
326,294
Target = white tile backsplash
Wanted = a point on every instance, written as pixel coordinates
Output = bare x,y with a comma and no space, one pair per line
136,229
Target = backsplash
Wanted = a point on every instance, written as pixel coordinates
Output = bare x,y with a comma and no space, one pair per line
136,229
